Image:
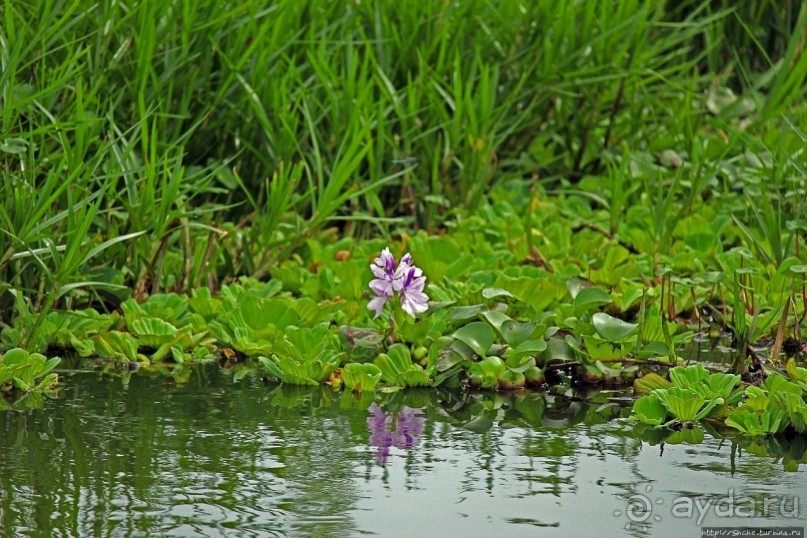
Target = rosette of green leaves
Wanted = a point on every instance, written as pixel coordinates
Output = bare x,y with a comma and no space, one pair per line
22,373
691,394
397,368
164,337
773,407
361,377
168,307
116,345
304,356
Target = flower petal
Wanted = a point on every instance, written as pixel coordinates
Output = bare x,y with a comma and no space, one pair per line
377,304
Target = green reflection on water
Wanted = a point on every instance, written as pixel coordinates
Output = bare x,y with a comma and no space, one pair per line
216,458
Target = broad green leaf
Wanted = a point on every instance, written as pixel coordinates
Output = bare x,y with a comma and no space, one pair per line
718,385
496,319
686,376
777,383
685,404
478,336
398,369
527,348
459,313
557,349
597,348
490,293
515,333
795,407
771,420
649,383
361,377
649,410
590,298
154,332
415,378
611,328
797,374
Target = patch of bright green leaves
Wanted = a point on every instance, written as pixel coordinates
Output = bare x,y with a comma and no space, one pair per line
693,394
25,377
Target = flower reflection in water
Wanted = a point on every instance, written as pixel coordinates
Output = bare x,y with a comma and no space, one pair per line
402,430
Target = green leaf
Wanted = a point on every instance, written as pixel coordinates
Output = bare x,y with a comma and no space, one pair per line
271,367
718,385
771,420
611,328
496,319
590,298
649,383
648,409
685,404
478,336
398,369
527,348
515,333
490,293
361,377
797,374
466,312
777,383
686,376
557,349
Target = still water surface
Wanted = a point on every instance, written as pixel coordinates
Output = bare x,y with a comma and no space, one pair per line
218,458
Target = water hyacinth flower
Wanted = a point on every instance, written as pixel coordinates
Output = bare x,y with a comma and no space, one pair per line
404,279
384,270
413,300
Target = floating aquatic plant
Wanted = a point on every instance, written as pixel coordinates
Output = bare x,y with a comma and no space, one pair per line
23,374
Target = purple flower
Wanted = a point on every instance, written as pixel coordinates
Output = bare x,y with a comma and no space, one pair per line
377,303
405,279
383,268
413,300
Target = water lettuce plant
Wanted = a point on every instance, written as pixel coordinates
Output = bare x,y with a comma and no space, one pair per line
691,394
359,377
24,375
773,407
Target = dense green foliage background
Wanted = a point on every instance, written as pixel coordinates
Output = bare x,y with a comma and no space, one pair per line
155,146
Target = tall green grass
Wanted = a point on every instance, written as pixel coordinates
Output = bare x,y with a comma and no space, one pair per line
167,145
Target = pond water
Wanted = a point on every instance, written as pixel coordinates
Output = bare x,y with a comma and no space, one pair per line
218,458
